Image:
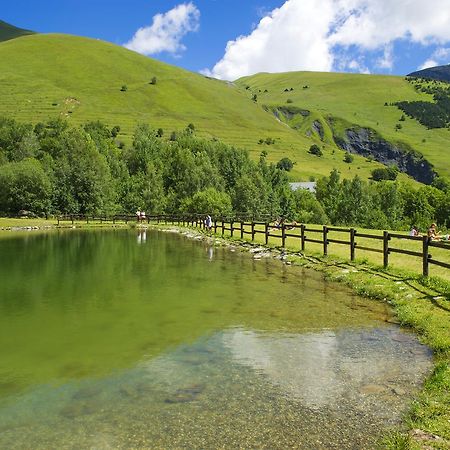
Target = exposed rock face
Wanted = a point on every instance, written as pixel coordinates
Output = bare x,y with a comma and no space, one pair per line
318,128
365,142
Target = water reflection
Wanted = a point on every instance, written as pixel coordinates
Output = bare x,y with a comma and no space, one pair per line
142,236
325,369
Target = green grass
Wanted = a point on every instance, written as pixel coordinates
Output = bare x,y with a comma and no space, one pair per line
80,79
355,100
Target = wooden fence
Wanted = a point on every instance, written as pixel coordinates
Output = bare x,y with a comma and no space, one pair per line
240,227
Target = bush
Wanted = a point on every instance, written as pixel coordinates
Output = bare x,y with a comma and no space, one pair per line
315,150
348,158
289,100
285,164
160,132
124,88
115,131
153,81
385,173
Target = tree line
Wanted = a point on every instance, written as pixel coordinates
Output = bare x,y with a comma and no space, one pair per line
52,168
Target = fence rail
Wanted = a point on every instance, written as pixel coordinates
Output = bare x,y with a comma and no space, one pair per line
319,236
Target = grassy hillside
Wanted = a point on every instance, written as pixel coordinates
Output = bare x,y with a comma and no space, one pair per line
44,76
8,31
352,99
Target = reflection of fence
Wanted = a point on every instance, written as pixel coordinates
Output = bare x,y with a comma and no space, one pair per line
246,227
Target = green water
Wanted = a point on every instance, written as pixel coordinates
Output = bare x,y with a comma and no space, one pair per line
145,339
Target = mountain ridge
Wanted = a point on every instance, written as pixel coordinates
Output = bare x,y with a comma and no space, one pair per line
8,31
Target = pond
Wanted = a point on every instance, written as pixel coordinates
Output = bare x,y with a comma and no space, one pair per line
134,338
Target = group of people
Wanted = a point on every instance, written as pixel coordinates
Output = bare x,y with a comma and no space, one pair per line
432,233
280,221
140,216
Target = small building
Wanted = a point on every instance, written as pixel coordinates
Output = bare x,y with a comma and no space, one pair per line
308,185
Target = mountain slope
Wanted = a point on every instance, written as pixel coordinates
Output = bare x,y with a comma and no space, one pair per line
8,31
440,73
340,106
44,76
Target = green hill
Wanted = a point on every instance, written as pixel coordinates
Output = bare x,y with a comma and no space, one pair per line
8,31
45,76
337,107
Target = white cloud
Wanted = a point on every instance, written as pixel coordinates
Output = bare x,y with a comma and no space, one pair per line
427,64
440,56
387,60
167,31
314,34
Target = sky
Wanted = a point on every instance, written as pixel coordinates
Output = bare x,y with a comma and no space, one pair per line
228,39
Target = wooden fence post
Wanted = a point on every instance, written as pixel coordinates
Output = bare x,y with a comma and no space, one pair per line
425,255
325,240
266,232
385,249
232,226
223,227
242,229
283,235
302,235
352,244
253,230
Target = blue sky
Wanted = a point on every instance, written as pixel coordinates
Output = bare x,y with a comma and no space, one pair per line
368,36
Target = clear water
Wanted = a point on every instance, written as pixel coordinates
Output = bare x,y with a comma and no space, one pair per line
133,339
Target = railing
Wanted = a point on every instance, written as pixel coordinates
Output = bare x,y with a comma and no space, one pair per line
282,232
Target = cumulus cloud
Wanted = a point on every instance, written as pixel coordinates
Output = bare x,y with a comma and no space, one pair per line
314,34
167,31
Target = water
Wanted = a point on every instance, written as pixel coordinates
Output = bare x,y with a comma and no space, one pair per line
132,339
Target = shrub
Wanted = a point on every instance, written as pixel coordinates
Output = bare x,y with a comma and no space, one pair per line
315,150
289,100
124,88
153,81
385,173
255,98
285,164
348,158
160,132
115,131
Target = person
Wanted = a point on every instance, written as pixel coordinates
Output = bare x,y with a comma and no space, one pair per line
434,234
208,222
414,231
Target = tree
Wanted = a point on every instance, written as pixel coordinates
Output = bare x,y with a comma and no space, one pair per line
385,173
315,150
210,201
285,164
24,185
307,208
